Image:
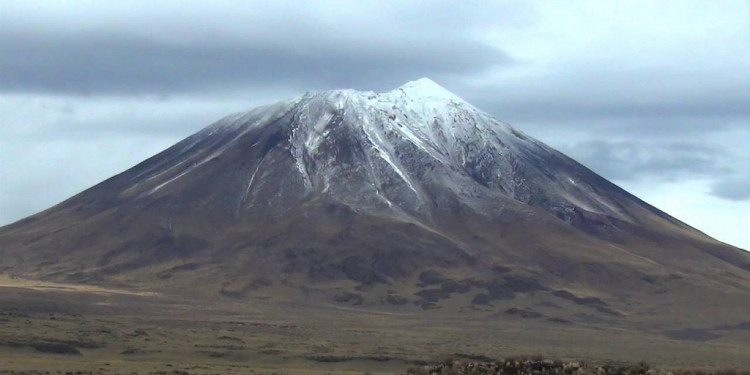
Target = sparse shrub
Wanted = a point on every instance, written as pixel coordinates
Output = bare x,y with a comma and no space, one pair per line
537,365
396,299
54,347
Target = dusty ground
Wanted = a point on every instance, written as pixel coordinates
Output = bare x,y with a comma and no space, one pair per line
62,328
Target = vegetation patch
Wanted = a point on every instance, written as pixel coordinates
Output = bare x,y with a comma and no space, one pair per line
481,299
586,301
44,346
183,267
460,365
132,351
395,299
692,334
524,313
741,326
447,287
329,358
430,277
559,320
433,294
230,338
426,305
231,293
348,297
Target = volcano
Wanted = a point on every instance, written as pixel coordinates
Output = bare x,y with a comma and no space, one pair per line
411,199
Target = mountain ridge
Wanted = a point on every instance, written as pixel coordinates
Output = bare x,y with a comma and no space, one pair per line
365,193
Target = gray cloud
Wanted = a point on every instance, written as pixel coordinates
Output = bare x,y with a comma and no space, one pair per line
298,49
734,189
127,65
666,161
656,101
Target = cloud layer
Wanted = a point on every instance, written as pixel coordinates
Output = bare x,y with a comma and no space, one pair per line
364,45
645,93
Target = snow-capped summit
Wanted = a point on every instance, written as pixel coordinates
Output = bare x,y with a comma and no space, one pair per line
425,88
404,153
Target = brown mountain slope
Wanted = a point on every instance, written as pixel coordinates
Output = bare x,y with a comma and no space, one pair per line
399,201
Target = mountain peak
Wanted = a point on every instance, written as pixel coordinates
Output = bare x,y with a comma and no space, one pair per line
341,190
425,88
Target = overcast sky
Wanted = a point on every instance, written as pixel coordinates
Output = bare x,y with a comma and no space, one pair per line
654,95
